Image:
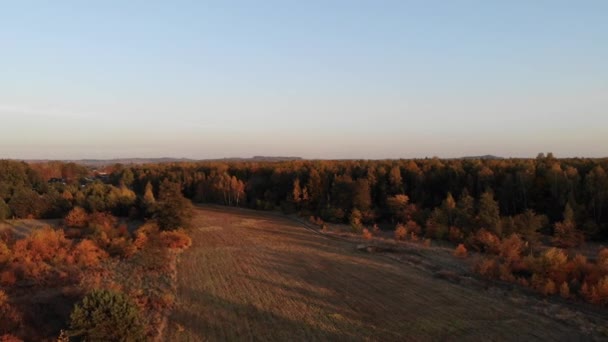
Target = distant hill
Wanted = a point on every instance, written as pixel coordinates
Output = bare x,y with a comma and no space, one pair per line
485,157
127,161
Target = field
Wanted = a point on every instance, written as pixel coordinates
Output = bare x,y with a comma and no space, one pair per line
259,276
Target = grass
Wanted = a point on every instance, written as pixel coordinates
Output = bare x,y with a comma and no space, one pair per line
256,276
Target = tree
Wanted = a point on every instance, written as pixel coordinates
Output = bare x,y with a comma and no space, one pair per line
149,201
565,233
399,207
105,315
395,180
362,199
489,213
297,191
237,190
465,211
174,210
5,211
77,218
26,202
127,178
449,208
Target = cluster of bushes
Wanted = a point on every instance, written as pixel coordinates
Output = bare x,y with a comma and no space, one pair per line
85,253
550,272
47,257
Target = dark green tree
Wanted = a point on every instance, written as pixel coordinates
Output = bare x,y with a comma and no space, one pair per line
5,211
106,316
489,213
173,209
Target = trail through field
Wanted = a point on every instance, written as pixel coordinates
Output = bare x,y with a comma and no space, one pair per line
258,277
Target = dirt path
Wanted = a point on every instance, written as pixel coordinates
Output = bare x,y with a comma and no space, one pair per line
254,276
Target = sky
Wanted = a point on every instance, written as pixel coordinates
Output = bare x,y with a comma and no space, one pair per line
316,79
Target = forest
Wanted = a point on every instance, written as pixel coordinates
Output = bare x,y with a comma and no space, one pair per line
498,195
527,216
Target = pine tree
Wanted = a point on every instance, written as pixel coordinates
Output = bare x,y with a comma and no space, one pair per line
106,316
489,213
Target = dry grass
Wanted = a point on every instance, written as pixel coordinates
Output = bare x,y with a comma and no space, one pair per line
23,227
262,277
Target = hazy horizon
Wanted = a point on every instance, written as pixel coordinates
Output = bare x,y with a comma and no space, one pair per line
318,80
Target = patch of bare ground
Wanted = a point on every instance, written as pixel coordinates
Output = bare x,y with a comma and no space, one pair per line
23,227
263,276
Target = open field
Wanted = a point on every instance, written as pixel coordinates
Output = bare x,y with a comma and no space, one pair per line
257,276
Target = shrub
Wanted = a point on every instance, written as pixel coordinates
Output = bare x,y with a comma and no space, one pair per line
77,218
8,278
355,221
7,235
88,254
564,290
5,253
10,318
122,247
549,288
554,259
178,239
10,338
599,292
102,221
456,235
413,227
488,267
400,232
106,316
485,241
567,235
367,235
460,251
602,259
436,230
376,230
5,210
512,248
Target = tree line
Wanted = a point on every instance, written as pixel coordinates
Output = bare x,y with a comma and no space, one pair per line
499,195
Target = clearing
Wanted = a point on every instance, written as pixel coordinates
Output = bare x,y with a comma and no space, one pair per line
260,276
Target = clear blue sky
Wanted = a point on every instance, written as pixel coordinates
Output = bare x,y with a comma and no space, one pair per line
318,79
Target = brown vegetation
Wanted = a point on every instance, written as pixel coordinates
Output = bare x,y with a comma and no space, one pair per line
460,251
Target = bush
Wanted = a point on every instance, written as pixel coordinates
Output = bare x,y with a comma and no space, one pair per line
460,251
102,221
10,318
77,218
564,290
485,241
400,232
106,316
455,235
566,235
512,248
10,338
367,235
488,268
5,210
176,239
602,259
88,254
413,227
